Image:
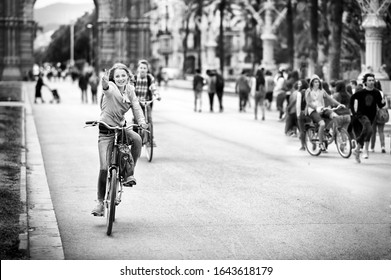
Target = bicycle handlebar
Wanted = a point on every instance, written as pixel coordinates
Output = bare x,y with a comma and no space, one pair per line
94,123
145,102
333,109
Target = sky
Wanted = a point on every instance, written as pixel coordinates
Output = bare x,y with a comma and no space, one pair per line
43,3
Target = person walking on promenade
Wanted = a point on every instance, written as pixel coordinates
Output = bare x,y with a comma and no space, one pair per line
364,111
118,97
269,86
260,94
242,88
300,112
220,90
291,121
279,92
198,84
38,88
83,84
93,81
211,82
379,123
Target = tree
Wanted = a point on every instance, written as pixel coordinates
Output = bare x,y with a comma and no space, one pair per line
290,32
336,41
314,19
59,48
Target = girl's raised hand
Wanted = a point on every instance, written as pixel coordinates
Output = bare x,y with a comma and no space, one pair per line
105,80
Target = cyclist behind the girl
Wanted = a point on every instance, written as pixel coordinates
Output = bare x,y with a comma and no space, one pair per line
145,88
315,98
118,97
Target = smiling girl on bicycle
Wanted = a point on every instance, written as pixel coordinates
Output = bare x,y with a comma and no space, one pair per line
118,97
315,98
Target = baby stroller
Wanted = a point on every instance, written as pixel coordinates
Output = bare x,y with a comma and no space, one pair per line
56,97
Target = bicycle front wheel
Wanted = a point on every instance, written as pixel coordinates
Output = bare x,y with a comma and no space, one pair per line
149,143
110,205
312,142
343,143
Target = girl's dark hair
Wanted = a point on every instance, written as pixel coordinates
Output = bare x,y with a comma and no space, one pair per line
119,66
340,87
326,87
260,78
304,85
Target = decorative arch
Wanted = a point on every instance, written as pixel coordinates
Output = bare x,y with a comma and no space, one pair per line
122,34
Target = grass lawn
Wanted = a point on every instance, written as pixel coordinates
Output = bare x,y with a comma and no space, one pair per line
10,205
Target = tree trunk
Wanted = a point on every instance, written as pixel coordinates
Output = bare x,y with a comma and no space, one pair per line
290,35
314,33
198,36
336,41
185,45
221,37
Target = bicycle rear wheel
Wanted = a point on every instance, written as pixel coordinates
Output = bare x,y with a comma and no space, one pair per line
110,205
343,143
149,144
312,142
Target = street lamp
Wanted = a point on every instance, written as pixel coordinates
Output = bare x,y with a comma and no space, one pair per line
89,26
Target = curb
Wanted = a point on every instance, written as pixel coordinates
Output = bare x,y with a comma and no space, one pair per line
43,238
23,217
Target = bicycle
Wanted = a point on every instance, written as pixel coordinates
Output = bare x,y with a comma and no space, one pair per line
114,188
147,137
332,133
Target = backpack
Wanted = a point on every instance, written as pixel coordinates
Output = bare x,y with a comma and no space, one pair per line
382,116
244,85
126,163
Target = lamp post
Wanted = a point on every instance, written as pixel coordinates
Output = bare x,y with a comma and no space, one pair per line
89,26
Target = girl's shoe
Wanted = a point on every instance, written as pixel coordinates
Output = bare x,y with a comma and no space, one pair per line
383,150
365,154
129,182
99,209
356,154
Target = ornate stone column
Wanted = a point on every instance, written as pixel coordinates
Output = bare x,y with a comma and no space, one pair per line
374,26
268,39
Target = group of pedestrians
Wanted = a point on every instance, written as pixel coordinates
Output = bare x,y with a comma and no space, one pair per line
362,104
362,114
215,86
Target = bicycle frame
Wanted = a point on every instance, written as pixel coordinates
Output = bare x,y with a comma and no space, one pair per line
147,139
114,165
114,188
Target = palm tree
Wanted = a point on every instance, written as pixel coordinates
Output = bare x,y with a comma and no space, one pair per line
290,32
314,32
224,7
336,40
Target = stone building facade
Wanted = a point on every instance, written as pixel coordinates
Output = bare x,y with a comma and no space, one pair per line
123,34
